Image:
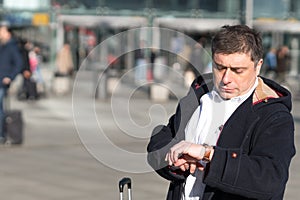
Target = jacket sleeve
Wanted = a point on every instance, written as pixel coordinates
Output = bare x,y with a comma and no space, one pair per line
17,62
262,172
162,139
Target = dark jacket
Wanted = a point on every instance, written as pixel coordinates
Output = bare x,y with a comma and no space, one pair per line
25,55
253,153
11,61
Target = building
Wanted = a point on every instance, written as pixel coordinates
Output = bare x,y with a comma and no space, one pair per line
87,23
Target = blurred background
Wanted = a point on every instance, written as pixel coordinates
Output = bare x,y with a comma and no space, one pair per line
84,24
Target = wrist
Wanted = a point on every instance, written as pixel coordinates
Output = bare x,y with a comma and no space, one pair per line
208,153
202,153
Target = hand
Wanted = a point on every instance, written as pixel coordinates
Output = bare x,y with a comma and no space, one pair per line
194,151
6,81
26,74
186,162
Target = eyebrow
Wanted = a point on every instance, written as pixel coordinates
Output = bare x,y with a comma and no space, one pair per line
229,67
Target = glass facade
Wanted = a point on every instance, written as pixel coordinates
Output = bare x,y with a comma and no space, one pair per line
129,5
188,8
295,9
161,5
278,20
278,9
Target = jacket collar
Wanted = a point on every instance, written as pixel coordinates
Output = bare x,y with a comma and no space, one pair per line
263,92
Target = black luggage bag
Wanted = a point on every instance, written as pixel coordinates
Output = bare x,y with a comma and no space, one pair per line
13,123
13,126
28,90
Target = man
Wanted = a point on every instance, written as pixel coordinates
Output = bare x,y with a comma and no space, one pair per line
232,136
270,62
10,65
283,63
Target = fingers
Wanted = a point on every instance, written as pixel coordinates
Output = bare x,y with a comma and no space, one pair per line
201,168
192,168
196,151
186,155
187,166
184,147
180,162
183,168
178,150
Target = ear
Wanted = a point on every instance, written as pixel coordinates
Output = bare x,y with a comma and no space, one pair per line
258,66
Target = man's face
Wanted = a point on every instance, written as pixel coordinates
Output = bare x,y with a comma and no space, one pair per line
234,74
1,32
4,35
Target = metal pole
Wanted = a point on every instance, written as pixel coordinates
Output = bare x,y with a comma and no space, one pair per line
249,13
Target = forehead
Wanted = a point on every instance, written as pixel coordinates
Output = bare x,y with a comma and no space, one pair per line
3,29
231,60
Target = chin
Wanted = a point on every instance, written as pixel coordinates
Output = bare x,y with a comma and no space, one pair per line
226,96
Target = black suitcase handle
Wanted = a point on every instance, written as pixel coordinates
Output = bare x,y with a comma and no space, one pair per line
125,181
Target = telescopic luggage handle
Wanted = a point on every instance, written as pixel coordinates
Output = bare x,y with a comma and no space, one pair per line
125,181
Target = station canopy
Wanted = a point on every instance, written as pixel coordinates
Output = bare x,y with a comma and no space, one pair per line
273,25
193,24
109,21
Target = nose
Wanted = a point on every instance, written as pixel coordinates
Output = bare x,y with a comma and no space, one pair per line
226,79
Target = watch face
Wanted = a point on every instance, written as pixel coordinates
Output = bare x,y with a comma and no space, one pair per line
207,153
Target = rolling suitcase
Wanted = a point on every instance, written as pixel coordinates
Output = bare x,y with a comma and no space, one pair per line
13,125
31,88
28,90
122,183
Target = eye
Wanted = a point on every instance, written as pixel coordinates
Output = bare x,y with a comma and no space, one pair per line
219,67
237,70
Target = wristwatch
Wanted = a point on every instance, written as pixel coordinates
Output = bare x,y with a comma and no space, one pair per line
207,155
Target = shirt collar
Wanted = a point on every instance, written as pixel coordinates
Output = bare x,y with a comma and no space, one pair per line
217,98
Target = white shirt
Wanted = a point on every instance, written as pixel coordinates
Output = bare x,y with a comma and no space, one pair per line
205,126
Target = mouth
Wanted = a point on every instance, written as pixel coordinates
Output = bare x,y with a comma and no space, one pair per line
226,90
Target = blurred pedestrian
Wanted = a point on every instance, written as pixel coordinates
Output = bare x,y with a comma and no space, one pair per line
64,61
28,88
198,57
141,64
11,64
232,136
35,62
150,71
283,63
23,46
270,63
64,70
